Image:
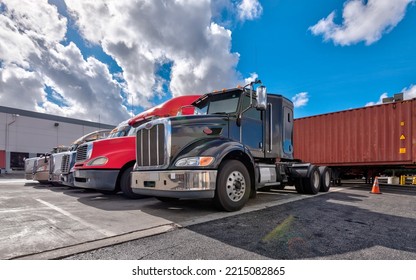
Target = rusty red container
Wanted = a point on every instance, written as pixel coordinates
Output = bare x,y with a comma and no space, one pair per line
381,135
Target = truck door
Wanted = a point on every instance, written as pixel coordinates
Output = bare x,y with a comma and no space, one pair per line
287,132
252,129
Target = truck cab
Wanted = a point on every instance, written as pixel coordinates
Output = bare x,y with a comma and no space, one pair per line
42,165
105,165
240,141
60,163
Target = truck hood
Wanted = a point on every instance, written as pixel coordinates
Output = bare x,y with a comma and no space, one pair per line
188,130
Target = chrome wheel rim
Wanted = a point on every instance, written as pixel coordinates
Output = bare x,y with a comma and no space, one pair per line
327,179
316,180
236,186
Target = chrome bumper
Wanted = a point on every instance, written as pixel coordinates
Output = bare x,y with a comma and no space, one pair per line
175,183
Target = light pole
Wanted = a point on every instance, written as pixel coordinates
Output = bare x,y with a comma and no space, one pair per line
14,118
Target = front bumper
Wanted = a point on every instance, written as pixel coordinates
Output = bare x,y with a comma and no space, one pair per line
55,178
67,179
96,179
42,176
175,183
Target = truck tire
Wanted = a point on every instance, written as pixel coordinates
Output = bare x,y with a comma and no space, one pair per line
325,178
309,184
312,182
125,184
233,186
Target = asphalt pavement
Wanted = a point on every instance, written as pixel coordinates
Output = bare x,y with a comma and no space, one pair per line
348,223
51,222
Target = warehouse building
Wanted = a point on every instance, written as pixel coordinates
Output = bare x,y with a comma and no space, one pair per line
28,134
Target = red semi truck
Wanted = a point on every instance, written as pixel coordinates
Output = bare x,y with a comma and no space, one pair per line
105,165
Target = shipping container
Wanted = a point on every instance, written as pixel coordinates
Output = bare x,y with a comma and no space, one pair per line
364,141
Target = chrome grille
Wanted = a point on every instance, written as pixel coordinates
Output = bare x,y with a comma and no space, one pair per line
82,152
65,166
151,149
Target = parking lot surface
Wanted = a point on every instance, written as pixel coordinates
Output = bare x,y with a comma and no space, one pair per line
54,222
47,222
346,224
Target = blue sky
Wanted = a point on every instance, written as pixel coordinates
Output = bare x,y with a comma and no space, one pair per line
290,59
108,59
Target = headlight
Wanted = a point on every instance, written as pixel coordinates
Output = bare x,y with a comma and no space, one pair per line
195,161
98,161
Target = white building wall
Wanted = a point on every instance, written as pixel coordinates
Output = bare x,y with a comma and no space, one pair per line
27,134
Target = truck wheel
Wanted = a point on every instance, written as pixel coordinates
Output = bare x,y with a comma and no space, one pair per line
125,184
311,183
325,178
233,186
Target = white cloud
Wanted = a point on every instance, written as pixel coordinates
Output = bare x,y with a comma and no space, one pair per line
380,100
252,78
40,70
142,34
409,92
300,99
362,21
249,9
33,58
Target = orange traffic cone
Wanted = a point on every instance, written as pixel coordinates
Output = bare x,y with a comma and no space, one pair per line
376,188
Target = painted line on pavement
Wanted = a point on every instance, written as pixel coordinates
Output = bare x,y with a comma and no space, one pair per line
78,219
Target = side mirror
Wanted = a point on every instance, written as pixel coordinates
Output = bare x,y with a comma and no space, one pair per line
261,93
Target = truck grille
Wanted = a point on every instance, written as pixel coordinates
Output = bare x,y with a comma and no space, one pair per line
65,164
51,163
82,152
151,146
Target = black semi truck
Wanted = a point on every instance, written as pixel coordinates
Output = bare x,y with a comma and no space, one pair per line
238,141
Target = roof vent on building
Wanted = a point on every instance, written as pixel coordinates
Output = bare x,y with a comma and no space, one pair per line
397,97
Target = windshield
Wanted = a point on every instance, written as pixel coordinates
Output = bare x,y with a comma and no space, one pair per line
119,131
220,103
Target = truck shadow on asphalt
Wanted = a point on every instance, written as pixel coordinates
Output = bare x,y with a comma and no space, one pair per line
338,225
117,202
347,224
